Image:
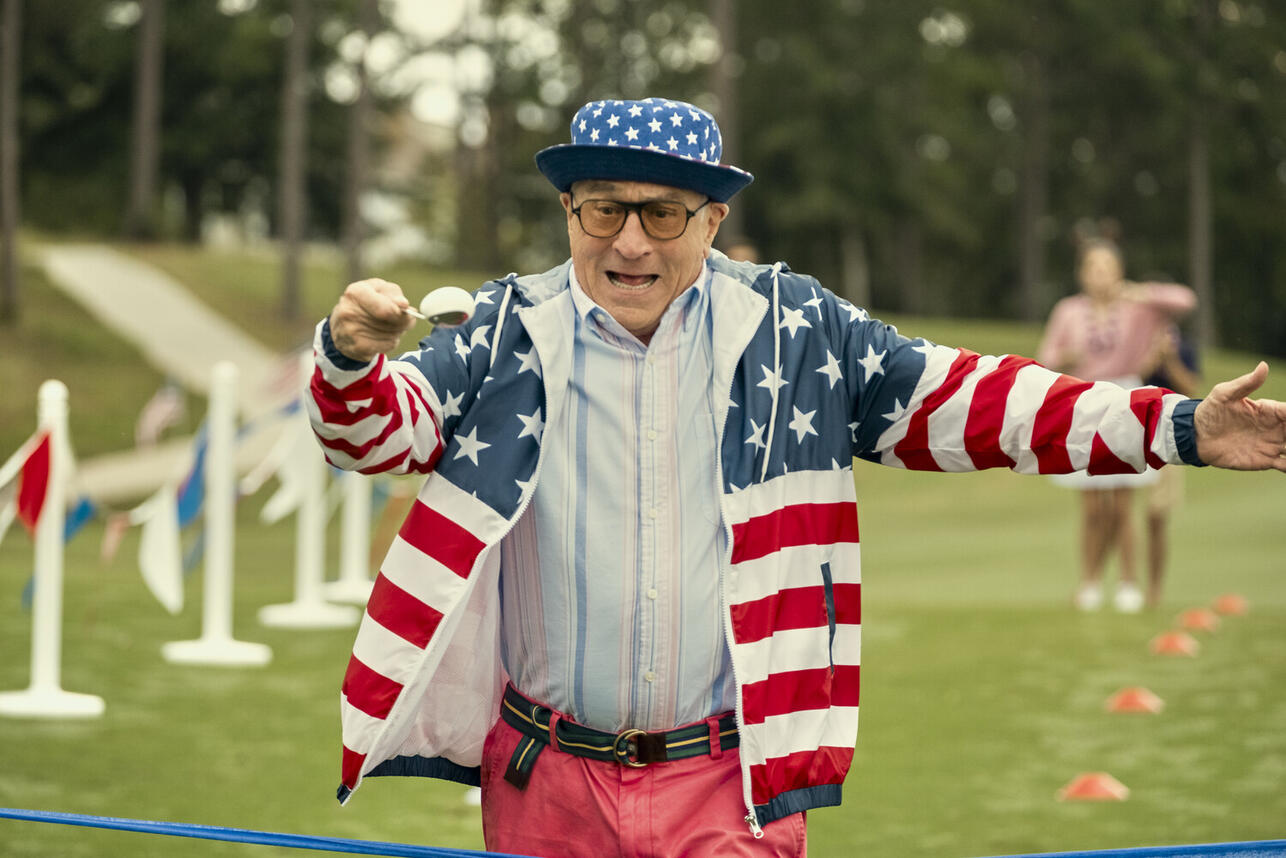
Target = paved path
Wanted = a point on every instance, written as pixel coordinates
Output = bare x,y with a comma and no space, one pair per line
176,333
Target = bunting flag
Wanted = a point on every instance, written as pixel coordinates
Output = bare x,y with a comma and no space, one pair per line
262,472
162,516
166,408
113,532
33,482
24,482
8,512
191,493
79,514
160,556
296,452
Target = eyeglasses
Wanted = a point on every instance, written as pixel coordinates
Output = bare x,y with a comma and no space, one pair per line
661,220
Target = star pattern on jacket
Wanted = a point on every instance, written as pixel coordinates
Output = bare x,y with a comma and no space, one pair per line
451,405
831,369
802,424
528,362
532,425
792,319
873,362
772,379
470,446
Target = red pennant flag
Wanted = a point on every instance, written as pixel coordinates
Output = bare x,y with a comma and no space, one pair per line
33,483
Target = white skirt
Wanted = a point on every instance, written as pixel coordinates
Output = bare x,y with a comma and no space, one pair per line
1083,480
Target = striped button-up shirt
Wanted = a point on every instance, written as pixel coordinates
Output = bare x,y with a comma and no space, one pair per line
610,580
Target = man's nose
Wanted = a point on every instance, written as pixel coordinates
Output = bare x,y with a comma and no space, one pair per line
633,241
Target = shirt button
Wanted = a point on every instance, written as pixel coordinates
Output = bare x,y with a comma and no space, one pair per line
651,513
649,676
651,434
651,593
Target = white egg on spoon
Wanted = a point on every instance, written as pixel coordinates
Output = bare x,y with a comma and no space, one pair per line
447,306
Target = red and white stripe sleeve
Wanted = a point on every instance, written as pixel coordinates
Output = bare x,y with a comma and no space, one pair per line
379,417
971,411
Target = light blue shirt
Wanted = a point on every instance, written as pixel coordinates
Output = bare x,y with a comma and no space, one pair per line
610,580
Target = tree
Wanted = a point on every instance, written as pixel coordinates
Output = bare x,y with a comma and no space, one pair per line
359,146
10,42
1200,208
724,75
292,164
140,218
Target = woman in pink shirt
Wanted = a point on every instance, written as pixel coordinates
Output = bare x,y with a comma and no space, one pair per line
1106,333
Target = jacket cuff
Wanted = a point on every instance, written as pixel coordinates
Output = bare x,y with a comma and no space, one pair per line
332,352
1185,432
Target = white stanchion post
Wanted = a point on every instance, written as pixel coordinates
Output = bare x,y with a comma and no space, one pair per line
45,698
216,644
310,610
354,584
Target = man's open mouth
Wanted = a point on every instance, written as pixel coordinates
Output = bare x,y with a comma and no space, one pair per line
631,281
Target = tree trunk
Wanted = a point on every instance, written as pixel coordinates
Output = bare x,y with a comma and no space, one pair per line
723,84
292,164
10,43
1200,219
909,259
359,150
856,267
1033,199
193,186
140,215
478,167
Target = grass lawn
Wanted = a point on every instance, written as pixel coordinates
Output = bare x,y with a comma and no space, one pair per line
983,694
983,691
107,382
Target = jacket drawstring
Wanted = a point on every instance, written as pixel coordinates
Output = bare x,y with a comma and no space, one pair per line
776,366
500,319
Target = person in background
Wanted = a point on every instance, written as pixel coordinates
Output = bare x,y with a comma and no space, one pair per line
741,249
1173,364
627,600
1105,333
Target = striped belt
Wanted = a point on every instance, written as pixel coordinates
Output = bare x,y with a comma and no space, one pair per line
542,726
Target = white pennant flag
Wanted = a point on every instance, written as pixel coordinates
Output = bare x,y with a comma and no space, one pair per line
300,453
160,556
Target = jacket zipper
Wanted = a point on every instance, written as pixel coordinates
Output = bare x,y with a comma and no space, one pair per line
751,820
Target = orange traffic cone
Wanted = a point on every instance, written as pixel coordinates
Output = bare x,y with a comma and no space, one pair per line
1199,620
1175,643
1094,786
1232,605
1135,699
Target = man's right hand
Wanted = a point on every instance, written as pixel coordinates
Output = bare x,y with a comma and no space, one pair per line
369,319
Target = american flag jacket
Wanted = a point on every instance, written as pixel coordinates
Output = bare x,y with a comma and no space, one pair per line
804,382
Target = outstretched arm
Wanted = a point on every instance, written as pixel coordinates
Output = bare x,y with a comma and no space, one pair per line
1240,433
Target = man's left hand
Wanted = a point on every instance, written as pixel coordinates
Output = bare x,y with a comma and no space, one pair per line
1240,433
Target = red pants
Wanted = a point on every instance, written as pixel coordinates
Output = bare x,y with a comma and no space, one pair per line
579,808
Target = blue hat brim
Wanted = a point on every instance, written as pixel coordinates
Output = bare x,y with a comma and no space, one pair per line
568,162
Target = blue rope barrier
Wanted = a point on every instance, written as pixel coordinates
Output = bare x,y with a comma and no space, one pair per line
241,835
1248,849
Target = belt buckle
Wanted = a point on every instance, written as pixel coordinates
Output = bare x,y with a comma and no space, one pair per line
622,752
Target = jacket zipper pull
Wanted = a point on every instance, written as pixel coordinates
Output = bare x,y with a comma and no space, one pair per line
754,826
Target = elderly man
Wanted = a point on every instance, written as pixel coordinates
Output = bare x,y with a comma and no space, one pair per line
627,599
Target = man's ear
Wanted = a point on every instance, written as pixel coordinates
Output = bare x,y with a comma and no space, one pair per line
718,211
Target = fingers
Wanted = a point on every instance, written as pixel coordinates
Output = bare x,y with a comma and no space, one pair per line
1242,386
368,319
381,300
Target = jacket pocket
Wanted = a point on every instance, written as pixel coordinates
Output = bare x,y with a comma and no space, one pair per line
828,592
